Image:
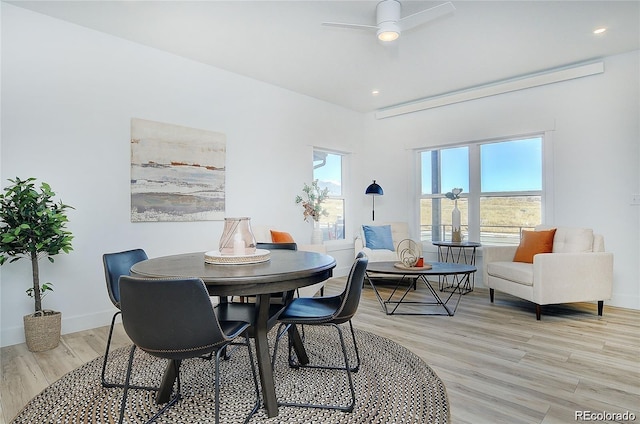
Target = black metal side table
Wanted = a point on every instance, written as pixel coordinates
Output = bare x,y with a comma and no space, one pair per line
463,252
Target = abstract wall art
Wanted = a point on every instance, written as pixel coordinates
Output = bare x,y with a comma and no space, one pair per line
177,173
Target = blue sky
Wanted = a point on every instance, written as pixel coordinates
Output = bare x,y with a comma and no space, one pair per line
505,166
330,172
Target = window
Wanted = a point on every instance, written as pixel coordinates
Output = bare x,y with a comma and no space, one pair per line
502,189
328,170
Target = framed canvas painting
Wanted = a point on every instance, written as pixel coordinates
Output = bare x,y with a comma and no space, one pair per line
177,173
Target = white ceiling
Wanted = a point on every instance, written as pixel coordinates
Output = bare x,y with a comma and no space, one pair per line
283,42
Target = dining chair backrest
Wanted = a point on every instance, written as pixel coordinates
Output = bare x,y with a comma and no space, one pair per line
276,246
117,264
353,290
170,318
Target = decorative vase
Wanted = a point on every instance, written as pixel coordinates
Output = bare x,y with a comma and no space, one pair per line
42,330
456,234
237,238
316,235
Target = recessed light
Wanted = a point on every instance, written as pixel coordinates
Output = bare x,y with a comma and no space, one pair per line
599,30
375,92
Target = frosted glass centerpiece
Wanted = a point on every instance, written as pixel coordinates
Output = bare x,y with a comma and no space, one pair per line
237,238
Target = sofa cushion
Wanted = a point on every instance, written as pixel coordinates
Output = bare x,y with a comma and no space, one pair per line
281,237
380,255
378,237
518,272
532,243
573,240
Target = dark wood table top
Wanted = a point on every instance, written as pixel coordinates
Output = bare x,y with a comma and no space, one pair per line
437,268
286,270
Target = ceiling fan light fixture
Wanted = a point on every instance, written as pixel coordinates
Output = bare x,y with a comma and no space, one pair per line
388,31
386,35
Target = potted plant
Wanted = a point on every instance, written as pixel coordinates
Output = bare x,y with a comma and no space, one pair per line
312,207
32,225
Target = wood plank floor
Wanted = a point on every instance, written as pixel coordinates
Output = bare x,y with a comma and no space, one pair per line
498,363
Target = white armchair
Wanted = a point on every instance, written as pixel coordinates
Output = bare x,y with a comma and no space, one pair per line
577,270
399,232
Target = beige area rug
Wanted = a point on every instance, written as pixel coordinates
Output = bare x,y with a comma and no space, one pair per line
392,386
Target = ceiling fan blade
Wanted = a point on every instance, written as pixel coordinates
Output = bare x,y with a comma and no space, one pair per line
419,18
352,26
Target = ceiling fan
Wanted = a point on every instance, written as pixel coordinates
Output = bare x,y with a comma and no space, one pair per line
389,24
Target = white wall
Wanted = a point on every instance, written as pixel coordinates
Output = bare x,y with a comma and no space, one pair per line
594,124
68,95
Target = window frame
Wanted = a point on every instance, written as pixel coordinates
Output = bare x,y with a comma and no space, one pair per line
344,159
474,195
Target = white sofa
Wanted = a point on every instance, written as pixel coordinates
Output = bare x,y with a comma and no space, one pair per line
399,232
577,270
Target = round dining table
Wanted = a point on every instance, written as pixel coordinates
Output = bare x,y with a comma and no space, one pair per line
284,271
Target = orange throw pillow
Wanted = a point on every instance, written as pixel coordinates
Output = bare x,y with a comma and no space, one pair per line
281,237
532,243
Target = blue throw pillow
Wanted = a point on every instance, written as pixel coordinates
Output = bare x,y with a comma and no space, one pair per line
378,237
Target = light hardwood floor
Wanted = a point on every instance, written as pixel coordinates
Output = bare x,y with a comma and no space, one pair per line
498,363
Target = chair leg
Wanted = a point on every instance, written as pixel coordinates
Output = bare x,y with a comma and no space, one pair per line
600,307
217,387
279,335
104,381
355,346
126,384
538,311
491,294
347,368
220,354
295,364
172,401
254,373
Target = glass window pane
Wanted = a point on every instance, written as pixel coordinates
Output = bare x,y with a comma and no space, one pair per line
435,218
327,169
444,169
508,169
511,165
332,225
454,169
503,218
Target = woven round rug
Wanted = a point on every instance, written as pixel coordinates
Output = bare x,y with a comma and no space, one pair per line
393,385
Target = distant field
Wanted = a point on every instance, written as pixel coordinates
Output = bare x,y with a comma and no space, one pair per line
499,215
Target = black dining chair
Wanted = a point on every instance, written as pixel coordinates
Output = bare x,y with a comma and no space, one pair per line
275,246
115,265
174,319
330,311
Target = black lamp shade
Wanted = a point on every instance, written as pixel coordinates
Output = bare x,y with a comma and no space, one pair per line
374,189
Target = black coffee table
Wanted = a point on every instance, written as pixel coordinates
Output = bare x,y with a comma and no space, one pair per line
405,283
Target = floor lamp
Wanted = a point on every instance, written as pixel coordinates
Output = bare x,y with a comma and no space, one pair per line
374,190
